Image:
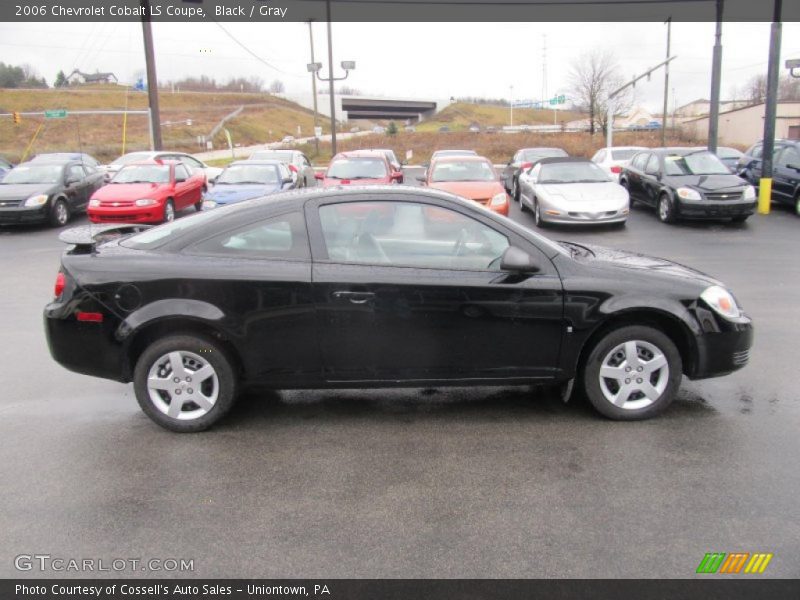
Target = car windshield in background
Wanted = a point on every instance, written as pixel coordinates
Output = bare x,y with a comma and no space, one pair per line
468,170
152,238
34,174
572,172
623,154
143,174
728,153
131,158
357,168
281,156
701,162
534,155
255,174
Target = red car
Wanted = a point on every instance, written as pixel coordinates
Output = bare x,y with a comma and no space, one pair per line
148,192
472,177
362,167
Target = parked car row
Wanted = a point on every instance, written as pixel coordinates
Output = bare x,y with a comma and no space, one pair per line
785,170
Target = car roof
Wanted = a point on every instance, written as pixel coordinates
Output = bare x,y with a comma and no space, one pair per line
360,154
257,161
47,163
540,148
455,151
562,159
153,162
462,158
60,156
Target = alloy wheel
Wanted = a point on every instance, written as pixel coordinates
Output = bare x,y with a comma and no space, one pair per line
169,212
183,385
61,213
634,375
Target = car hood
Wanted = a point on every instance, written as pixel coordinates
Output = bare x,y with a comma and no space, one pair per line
474,190
229,194
708,183
129,191
585,194
21,191
632,261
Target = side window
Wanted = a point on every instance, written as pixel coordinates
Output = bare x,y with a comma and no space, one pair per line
285,173
641,160
407,234
790,156
304,161
281,237
535,170
181,172
191,162
757,151
652,165
76,172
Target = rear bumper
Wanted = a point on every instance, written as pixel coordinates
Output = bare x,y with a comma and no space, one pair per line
715,210
20,215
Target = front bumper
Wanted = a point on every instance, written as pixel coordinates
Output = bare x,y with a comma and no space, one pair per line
21,215
127,214
723,347
580,219
714,210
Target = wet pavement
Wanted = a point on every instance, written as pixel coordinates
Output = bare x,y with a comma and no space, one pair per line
498,482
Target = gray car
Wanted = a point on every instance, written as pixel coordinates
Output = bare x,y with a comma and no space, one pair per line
572,191
298,163
524,159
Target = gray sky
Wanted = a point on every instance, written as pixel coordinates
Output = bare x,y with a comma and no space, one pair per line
406,59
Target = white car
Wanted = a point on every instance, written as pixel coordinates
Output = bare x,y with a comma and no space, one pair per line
572,191
302,172
612,160
190,161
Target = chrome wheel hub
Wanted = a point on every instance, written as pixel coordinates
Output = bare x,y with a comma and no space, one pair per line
634,375
183,385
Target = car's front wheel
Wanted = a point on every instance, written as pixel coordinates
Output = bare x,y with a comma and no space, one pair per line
169,212
59,214
632,373
185,383
666,210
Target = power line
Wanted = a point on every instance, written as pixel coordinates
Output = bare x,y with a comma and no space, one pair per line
254,55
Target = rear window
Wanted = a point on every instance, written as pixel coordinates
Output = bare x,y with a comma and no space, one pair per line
623,154
157,236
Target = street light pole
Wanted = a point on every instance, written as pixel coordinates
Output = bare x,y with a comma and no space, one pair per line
330,80
666,87
770,112
152,79
314,87
716,79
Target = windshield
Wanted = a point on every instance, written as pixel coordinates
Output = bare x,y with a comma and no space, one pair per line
241,174
133,157
466,170
728,153
281,156
440,153
701,162
624,154
534,155
34,174
357,168
143,174
572,172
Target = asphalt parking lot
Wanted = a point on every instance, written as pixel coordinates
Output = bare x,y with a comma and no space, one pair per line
500,482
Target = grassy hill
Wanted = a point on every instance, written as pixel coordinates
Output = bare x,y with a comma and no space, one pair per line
264,118
460,115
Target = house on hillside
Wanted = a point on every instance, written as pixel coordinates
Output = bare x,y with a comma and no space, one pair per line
78,77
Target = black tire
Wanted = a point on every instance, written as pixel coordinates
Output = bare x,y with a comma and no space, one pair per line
198,206
206,350
516,193
602,351
797,204
59,213
537,215
665,209
169,209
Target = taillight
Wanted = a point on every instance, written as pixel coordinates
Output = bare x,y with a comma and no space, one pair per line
616,169
525,165
293,168
60,283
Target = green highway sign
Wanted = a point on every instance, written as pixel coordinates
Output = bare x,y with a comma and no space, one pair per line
558,99
60,113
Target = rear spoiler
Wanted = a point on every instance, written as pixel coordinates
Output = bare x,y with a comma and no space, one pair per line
86,237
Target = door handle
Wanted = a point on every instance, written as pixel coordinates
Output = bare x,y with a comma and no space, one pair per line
355,297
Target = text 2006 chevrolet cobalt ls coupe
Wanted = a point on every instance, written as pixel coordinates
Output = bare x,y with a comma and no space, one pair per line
375,287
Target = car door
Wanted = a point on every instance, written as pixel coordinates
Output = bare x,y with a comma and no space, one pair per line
651,180
527,184
509,170
411,291
308,171
633,175
786,174
185,188
76,186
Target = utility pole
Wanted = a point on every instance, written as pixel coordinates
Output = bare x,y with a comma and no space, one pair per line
770,111
716,80
152,80
666,86
314,87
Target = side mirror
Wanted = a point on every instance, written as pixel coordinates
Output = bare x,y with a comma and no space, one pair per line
320,176
795,167
518,261
287,180
180,179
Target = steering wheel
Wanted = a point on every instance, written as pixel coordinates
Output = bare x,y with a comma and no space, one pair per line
461,243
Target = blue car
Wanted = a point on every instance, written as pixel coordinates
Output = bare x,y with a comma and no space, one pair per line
246,179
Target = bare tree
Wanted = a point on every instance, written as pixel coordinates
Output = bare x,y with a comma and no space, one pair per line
593,76
277,87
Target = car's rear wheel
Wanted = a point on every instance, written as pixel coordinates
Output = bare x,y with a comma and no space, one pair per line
198,206
184,383
59,214
632,373
169,211
515,190
666,211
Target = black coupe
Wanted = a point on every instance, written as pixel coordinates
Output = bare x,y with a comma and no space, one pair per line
376,287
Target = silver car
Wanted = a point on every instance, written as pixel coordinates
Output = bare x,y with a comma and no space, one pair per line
572,191
192,163
302,172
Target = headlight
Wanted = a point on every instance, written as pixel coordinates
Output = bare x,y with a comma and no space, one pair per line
688,193
36,200
498,199
94,202
145,202
749,193
722,301
209,204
